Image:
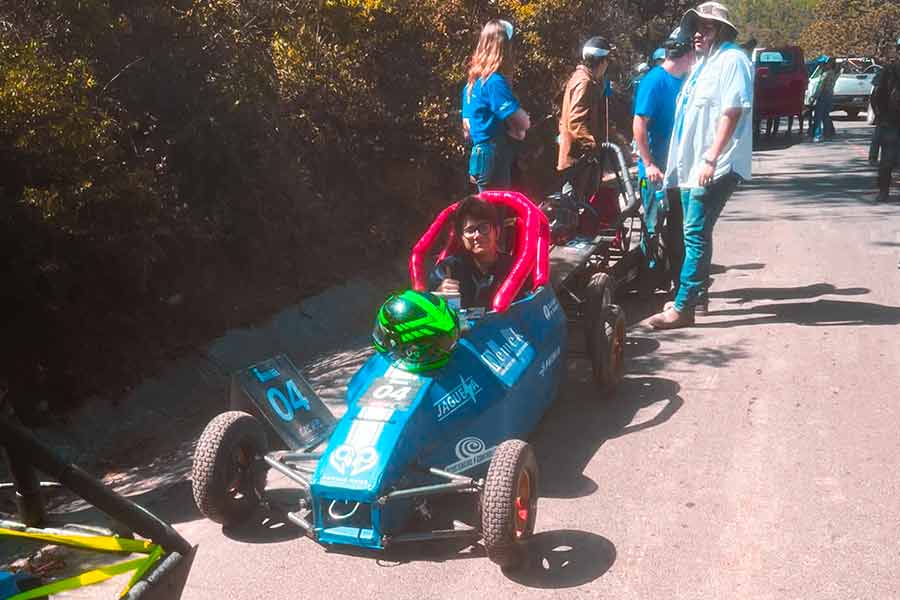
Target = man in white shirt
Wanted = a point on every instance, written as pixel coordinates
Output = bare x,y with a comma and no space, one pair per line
711,148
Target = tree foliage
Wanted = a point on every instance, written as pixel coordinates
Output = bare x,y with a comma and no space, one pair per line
854,28
164,162
772,22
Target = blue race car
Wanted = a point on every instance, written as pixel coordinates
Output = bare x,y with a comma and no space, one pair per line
435,418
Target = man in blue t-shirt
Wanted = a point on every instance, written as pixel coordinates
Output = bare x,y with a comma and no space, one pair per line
654,118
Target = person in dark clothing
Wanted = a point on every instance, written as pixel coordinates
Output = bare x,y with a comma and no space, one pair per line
477,271
875,144
886,104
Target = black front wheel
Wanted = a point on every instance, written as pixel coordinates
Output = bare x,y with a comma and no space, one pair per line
228,473
509,502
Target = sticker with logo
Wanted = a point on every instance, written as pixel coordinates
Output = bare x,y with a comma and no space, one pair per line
471,452
549,361
357,455
467,391
551,308
509,358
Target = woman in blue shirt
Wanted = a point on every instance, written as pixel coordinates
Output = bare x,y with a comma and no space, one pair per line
491,113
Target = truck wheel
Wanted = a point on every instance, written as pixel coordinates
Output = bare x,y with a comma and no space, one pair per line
509,502
228,479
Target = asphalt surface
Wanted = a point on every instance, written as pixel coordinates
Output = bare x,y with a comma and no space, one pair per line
752,456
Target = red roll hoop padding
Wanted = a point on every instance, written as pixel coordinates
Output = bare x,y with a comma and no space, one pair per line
532,254
417,259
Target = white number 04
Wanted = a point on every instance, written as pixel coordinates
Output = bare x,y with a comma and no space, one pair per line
389,391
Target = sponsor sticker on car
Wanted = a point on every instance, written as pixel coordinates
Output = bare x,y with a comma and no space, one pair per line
471,452
466,392
507,355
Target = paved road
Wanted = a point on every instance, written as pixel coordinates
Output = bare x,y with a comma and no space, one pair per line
753,456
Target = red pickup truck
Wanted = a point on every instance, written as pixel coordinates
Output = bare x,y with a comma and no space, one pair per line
780,83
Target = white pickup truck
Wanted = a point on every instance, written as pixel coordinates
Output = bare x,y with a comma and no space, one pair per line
852,88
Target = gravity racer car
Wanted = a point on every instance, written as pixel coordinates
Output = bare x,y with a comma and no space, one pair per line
433,416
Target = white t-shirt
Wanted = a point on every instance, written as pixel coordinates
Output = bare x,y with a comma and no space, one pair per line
718,82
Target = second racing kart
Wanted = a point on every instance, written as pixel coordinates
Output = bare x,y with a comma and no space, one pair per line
409,440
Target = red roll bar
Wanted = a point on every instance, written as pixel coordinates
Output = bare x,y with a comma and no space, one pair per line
532,252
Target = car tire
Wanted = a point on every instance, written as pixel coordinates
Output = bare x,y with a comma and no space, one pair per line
509,503
227,475
852,114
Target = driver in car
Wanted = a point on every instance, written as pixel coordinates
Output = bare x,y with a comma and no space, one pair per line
480,267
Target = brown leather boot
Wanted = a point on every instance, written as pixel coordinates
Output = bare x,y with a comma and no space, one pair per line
671,319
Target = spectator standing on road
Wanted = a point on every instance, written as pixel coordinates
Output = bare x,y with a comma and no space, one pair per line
711,147
823,126
491,114
583,117
872,118
886,104
654,117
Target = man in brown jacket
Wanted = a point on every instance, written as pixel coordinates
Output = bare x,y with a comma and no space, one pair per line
583,117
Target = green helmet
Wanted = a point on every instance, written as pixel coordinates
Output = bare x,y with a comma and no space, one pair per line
417,330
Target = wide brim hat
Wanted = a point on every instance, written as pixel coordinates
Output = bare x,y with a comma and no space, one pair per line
713,11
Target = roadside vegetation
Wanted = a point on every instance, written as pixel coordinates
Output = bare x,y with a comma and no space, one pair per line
172,169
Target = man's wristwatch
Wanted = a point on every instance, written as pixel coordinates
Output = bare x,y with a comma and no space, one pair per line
711,163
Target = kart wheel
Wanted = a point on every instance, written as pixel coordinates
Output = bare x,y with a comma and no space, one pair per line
615,324
509,502
227,477
598,294
606,347
598,299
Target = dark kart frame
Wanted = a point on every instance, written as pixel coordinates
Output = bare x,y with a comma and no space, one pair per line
591,265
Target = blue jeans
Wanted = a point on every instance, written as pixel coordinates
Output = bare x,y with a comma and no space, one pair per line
654,213
822,117
490,163
702,207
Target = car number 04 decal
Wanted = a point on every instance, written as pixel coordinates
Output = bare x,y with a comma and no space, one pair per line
285,406
393,392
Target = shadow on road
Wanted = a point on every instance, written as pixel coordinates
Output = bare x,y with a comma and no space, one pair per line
742,295
582,420
715,269
564,558
818,313
269,524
